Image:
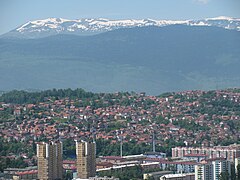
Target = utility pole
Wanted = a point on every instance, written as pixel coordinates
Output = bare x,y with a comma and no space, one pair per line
120,138
153,142
121,144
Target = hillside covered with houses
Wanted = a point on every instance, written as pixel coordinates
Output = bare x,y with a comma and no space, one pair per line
189,118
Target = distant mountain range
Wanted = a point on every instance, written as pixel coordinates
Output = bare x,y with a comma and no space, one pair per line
53,26
151,58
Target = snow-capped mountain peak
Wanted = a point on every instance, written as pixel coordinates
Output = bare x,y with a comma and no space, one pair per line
49,22
51,26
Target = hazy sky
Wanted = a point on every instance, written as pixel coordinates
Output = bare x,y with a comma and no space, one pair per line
13,13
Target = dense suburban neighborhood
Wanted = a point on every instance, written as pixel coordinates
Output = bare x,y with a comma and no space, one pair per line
186,119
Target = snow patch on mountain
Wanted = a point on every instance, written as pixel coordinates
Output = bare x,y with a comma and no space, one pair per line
224,18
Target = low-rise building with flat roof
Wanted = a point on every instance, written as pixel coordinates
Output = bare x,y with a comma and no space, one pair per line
189,176
155,175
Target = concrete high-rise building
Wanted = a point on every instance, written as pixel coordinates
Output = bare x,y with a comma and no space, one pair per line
50,160
42,155
204,172
219,166
212,168
86,159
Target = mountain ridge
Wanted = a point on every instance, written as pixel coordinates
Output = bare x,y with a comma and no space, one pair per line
151,59
89,26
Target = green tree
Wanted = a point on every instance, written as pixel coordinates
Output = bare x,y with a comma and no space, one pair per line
238,172
224,176
233,173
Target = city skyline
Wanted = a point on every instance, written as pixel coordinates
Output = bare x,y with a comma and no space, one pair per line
15,13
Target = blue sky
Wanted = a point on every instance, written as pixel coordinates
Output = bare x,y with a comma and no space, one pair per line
16,12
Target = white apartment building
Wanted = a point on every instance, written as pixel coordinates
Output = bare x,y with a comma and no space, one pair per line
212,168
236,163
229,152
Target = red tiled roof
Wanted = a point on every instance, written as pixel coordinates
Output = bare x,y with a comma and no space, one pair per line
69,162
27,172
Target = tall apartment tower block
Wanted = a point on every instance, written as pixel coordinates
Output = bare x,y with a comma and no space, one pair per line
212,168
86,159
204,172
50,160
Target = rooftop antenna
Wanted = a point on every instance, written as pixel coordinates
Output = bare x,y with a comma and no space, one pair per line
58,136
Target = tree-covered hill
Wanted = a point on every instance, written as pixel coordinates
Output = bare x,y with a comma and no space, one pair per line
149,59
